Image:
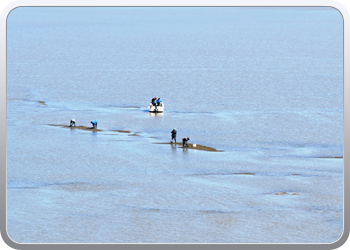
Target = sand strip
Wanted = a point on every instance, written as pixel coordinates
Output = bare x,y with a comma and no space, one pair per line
190,146
76,127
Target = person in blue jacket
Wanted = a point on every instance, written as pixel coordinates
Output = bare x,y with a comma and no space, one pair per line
159,102
94,123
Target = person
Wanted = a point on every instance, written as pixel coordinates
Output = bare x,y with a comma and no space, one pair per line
72,123
173,135
94,123
159,102
184,141
154,99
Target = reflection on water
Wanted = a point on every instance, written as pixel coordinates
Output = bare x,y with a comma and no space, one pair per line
155,114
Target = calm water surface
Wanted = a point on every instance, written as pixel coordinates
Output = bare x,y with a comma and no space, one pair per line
265,85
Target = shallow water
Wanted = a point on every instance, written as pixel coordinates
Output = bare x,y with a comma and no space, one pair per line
264,85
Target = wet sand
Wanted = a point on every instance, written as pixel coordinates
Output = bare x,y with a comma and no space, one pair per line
190,146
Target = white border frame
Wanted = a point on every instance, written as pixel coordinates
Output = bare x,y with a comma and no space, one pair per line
10,5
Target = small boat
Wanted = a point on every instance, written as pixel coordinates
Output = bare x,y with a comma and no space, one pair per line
156,109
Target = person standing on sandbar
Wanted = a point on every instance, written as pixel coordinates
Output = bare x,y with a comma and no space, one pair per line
173,135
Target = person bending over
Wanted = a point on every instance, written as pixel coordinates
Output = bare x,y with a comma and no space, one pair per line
184,141
72,123
94,123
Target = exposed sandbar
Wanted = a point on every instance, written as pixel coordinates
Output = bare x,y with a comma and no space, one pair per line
190,146
76,127
42,102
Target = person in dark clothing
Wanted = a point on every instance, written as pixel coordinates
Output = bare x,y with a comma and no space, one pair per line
154,99
173,135
184,141
72,123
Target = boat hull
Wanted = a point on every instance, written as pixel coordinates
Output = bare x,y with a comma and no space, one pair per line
155,109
